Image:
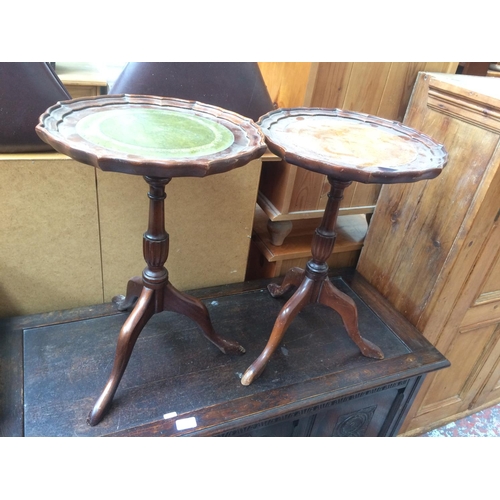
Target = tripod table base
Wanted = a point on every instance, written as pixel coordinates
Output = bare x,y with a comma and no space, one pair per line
149,302
309,291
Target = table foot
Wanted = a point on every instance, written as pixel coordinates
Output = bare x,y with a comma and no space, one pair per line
129,333
297,301
134,289
332,297
293,278
179,302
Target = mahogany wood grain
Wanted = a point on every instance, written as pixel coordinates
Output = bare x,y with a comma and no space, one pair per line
313,286
156,294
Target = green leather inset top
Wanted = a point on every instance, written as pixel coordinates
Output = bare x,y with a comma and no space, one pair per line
155,133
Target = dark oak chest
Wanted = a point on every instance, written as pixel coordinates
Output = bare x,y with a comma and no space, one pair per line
317,383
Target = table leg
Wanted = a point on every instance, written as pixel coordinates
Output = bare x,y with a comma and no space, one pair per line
293,278
155,294
314,286
332,297
129,333
179,302
294,305
134,289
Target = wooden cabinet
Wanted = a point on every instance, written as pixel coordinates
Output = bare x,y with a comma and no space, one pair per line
267,260
433,247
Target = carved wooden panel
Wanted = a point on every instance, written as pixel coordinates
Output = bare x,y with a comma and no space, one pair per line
368,413
354,424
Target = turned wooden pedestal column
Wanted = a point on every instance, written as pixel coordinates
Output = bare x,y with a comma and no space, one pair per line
346,146
314,286
154,294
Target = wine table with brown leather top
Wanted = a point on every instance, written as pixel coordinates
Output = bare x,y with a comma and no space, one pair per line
346,146
157,138
177,384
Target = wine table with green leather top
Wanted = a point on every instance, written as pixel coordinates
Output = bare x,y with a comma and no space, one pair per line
346,146
157,138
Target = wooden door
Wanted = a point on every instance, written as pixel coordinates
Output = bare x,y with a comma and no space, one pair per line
486,310
432,248
473,348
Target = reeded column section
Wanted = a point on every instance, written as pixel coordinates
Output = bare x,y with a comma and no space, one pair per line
324,237
156,239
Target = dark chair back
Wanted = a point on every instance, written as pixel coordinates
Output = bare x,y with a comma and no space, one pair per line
27,89
238,87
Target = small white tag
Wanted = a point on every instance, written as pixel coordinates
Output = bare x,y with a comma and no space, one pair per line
172,414
186,423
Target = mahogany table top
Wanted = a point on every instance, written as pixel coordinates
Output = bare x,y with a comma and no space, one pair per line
149,135
352,146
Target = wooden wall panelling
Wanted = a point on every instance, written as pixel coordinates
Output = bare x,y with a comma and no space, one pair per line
329,84
286,82
49,234
431,244
366,87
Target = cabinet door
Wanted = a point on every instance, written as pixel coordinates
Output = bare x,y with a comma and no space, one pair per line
491,391
376,413
470,339
487,308
452,391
